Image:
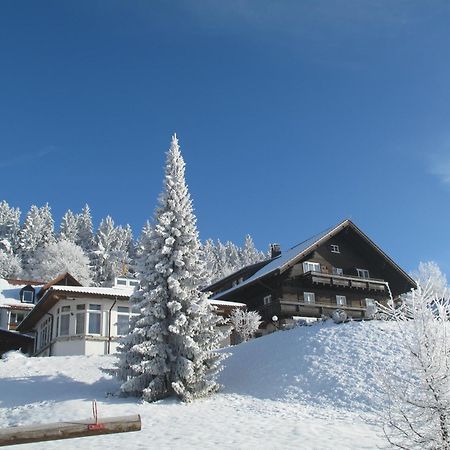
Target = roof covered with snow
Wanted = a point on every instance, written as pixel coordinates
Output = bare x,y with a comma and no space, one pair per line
294,254
10,295
227,303
282,260
105,291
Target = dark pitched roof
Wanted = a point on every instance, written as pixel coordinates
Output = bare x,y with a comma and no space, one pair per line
289,258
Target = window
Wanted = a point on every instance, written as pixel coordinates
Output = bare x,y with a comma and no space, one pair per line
27,296
134,283
95,315
267,299
121,282
363,273
341,300
309,297
337,271
16,317
80,319
64,321
123,320
335,248
309,266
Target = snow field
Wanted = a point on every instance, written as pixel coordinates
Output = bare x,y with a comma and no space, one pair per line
311,388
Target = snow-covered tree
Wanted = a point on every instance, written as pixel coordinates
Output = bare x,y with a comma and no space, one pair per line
249,253
10,266
59,257
171,349
68,230
233,257
429,273
37,231
103,264
245,323
112,254
85,233
417,384
9,227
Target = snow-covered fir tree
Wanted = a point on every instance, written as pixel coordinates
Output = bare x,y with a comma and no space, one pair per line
37,231
68,230
59,257
9,227
10,265
171,349
85,230
112,253
249,253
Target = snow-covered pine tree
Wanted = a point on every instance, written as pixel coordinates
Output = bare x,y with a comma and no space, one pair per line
210,259
37,231
68,230
85,233
10,266
103,261
171,349
9,227
249,253
233,257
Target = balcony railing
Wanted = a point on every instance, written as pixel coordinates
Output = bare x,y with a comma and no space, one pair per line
346,281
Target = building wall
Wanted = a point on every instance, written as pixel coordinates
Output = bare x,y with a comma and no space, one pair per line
84,343
4,318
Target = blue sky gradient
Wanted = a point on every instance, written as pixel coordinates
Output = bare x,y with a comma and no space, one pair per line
291,115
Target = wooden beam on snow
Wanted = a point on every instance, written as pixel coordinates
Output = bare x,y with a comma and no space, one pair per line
68,430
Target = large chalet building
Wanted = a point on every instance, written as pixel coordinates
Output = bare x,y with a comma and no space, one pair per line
340,268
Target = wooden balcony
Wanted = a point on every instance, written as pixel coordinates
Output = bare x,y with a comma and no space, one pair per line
345,281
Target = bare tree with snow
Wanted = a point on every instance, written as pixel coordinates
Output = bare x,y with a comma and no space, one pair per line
429,273
170,350
418,383
245,323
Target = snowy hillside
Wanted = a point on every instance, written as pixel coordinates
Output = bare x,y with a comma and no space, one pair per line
311,387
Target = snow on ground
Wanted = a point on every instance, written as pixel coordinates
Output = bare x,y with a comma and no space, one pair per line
311,388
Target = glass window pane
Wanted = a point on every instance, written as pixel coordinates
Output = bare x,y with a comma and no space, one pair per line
94,323
80,323
123,309
65,321
123,322
95,307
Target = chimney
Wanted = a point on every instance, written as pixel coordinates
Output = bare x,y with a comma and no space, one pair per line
275,250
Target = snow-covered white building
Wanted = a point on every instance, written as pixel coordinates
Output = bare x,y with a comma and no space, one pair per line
17,299
70,319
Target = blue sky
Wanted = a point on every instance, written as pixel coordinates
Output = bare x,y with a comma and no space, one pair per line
291,115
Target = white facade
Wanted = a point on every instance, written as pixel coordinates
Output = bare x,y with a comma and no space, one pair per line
82,326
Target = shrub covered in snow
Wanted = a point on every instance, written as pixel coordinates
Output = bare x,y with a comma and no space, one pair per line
339,316
245,323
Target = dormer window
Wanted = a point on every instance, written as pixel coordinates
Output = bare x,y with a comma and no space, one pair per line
27,294
335,248
363,273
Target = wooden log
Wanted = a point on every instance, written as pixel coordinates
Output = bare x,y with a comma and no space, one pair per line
68,430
